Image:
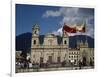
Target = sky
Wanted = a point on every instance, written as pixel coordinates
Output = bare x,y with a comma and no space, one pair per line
51,19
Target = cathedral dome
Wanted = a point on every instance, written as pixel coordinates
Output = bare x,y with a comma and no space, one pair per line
50,35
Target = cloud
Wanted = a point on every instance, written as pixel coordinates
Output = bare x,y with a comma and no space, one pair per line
73,16
52,13
62,11
58,32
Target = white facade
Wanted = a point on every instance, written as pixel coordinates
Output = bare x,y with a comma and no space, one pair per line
56,50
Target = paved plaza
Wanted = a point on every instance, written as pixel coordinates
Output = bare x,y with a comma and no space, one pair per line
22,70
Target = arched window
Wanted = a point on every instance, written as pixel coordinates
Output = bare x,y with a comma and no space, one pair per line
35,32
34,42
65,42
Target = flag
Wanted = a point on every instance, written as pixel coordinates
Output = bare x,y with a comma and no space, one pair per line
69,29
81,28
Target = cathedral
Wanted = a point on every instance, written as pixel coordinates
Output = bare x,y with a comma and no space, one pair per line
54,49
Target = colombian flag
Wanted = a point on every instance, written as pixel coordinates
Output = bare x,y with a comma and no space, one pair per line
74,29
69,29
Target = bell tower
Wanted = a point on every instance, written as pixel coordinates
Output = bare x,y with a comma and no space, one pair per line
34,42
35,35
35,30
65,38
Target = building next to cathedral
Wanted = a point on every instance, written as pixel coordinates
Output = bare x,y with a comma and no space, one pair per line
54,49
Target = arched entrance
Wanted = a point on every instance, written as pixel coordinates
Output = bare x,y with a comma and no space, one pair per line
84,61
50,59
84,58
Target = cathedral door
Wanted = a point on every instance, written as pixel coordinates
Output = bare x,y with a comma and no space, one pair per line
58,59
50,59
41,59
84,61
84,58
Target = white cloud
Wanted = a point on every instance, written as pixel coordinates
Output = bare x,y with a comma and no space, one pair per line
52,13
58,32
68,12
72,16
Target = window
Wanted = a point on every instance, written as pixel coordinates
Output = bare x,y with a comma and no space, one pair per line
77,53
72,56
74,53
34,42
35,32
65,42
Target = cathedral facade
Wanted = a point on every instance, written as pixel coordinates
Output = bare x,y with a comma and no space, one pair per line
55,49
